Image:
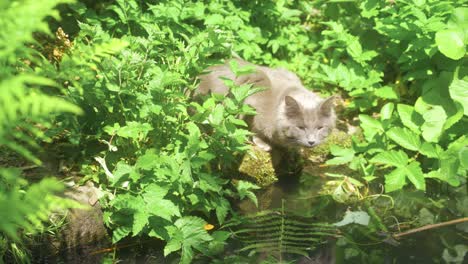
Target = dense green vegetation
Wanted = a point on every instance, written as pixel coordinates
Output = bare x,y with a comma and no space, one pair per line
108,85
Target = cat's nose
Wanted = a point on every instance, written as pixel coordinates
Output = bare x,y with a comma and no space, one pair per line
311,143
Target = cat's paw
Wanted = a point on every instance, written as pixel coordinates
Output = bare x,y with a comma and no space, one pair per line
261,144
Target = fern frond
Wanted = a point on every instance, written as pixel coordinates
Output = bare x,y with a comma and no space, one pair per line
27,208
19,20
21,104
280,232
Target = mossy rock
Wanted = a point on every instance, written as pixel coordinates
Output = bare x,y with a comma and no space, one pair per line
257,164
319,153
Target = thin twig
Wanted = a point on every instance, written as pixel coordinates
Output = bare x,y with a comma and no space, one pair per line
427,227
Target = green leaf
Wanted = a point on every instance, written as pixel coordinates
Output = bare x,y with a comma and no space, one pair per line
386,92
140,220
342,155
217,115
370,126
391,157
147,161
459,18
134,130
405,138
428,149
214,19
120,171
451,43
415,175
244,189
387,111
463,157
222,209
165,209
188,232
444,177
459,92
154,193
409,117
395,180
120,232
434,123
354,48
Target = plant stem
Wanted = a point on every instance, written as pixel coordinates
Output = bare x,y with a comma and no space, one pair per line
427,227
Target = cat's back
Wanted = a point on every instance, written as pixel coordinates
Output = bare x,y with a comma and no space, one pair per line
284,82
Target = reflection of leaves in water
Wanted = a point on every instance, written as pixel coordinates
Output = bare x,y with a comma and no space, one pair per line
278,232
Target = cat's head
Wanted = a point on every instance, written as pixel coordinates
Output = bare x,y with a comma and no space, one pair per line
299,125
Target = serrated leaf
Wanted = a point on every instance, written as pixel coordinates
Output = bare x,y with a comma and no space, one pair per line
395,180
217,115
120,232
188,232
415,175
392,157
342,155
222,209
120,171
147,161
405,138
244,190
165,209
154,193
140,219
370,126
354,48
175,243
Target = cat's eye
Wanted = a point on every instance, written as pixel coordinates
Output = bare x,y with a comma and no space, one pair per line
319,128
301,127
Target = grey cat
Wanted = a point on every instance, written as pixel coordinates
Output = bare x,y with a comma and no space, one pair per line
288,115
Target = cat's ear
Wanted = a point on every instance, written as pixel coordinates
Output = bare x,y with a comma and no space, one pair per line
292,107
327,106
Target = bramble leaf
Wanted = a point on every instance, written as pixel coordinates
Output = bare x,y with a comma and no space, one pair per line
392,157
404,137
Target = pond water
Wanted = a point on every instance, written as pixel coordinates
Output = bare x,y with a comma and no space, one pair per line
295,205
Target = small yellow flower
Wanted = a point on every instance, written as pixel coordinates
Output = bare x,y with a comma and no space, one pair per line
208,227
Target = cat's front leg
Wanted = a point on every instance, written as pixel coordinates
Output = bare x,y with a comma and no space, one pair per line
261,144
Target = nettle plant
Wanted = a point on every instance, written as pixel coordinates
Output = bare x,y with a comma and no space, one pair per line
418,134
163,155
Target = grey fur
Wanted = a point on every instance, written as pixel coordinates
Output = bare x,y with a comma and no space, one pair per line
288,114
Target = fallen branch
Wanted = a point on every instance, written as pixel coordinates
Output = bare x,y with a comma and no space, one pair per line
427,227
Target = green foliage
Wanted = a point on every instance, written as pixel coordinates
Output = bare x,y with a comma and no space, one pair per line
164,160
422,139
26,108
26,206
